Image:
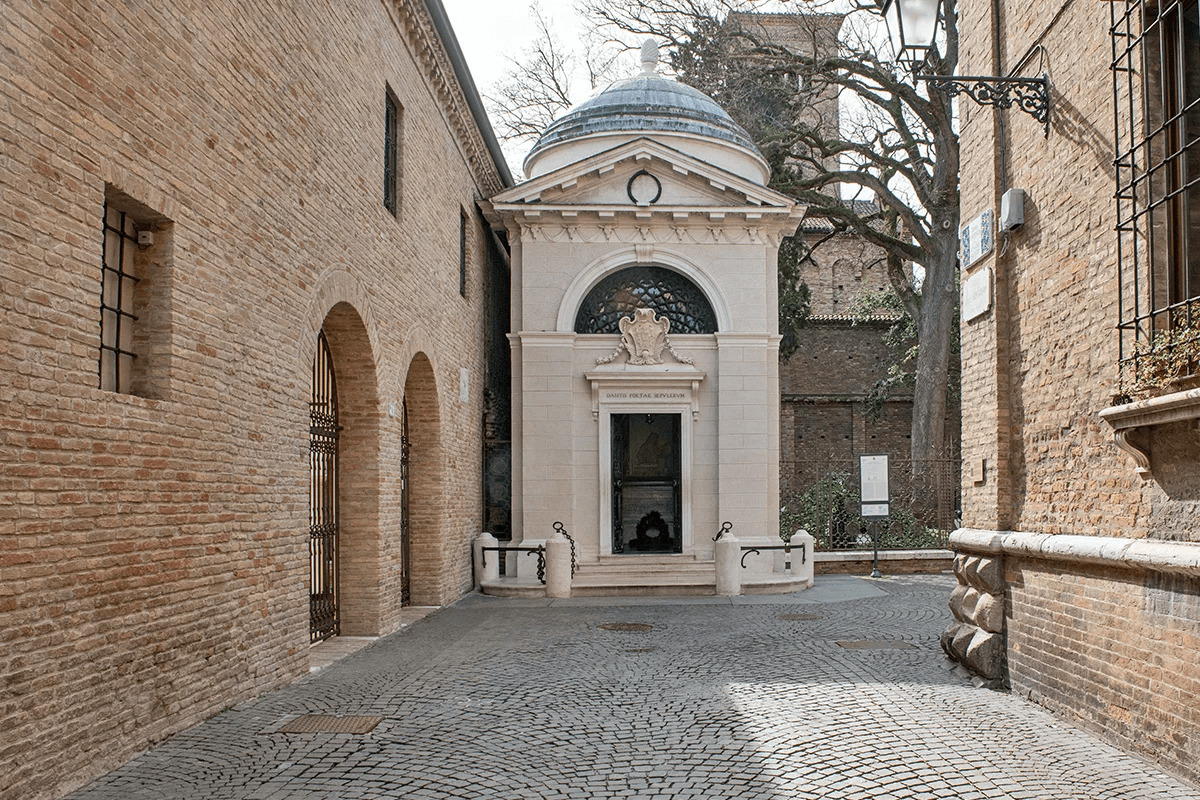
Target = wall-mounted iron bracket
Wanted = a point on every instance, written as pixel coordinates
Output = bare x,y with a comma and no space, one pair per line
1031,95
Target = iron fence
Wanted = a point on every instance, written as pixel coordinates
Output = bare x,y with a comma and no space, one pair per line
822,497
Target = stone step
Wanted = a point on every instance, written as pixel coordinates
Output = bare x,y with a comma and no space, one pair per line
775,584
645,565
510,587
594,576
654,576
659,559
662,588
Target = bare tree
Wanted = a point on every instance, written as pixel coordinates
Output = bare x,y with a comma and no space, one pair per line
897,144
545,80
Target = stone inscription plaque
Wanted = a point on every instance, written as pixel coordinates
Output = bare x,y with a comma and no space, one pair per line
645,396
977,294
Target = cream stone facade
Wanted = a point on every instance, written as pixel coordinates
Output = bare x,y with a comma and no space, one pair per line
692,205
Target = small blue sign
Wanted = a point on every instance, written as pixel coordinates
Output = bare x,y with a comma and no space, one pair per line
977,238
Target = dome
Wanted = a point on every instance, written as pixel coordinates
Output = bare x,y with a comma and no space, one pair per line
649,104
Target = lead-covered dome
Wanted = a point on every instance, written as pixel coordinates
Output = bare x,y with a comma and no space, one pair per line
648,104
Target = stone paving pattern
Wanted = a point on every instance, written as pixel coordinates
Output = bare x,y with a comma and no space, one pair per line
749,698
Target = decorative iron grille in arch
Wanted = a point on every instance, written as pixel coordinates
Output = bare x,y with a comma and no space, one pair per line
669,293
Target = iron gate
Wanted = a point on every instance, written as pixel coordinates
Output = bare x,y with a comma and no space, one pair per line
324,620
405,528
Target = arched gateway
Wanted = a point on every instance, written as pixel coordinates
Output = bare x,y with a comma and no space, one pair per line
645,352
349,533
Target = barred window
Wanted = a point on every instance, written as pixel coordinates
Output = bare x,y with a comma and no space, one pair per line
135,298
1156,88
391,153
462,253
669,293
118,279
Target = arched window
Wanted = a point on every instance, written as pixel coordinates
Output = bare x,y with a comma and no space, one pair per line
669,293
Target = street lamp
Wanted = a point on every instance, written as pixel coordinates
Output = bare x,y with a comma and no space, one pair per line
912,25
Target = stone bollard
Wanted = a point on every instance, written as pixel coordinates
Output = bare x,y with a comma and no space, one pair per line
558,567
491,572
803,568
727,555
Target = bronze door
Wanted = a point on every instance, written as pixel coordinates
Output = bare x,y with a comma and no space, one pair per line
647,500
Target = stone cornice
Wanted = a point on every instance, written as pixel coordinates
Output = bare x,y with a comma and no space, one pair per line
417,26
643,151
683,377
1135,554
744,338
656,231
545,337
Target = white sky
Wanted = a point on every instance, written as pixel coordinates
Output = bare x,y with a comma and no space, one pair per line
490,32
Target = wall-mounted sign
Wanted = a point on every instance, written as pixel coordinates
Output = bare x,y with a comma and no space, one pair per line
873,486
977,294
977,238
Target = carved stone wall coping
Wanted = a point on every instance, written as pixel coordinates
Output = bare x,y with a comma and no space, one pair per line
1109,551
1126,419
1174,407
884,555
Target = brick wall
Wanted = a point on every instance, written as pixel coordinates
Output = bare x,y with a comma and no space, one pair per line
824,424
153,549
1100,645
840,270
1056,352
1080,643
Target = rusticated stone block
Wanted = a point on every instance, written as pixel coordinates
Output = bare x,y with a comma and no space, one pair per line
960,562
989,574
989,613
962,640
947,638
950,635
970,573
985,654
956,603
969,601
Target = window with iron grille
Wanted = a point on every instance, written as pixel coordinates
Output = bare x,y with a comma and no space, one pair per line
391,153
1156,91
118,280
669,293
462,253
135,298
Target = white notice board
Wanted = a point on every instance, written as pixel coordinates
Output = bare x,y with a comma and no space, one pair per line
873,485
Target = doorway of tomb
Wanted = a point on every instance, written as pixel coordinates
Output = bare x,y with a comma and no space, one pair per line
323,434
647,479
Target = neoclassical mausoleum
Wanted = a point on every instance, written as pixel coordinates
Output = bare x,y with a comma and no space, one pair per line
645,370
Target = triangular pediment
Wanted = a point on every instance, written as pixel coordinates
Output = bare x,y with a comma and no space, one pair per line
643,175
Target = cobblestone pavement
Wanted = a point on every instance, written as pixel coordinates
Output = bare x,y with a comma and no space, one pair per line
752,698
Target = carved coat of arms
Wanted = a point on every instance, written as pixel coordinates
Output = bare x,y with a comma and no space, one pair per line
644,337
